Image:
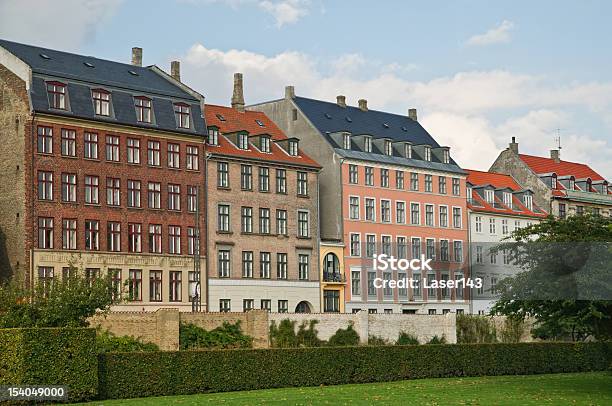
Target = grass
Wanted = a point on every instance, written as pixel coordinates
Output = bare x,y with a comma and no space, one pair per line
558,389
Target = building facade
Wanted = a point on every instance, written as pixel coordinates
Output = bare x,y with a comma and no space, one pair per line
333,281
497,206
386,187
562,188
102,174
263,214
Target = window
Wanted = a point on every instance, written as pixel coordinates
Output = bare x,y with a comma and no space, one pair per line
371,288
246,219
580,210
174,160
264,144
133,151
456,187
384,178
331,301
443,222
429,215
408,150
155,238
193,156
427,153
247,264
492,226
478,224
243,141
528,200
112,148
355,283
346,141
281,181
90,145
370,212
302,184
248,304
386,245
192,241
355,245
69,187
154,195
175,288
353,174
283,306
489,196
68,142
264,221
265,263
370,247
442,185
45,185
303,266
135,285
429,183
45,232
294,114
399,180
493,285
431,292
562,210
388,147
387,291
264,179
479,254
101,101
153,153
400,212
155,286
133,189
174,197
402,248
281,222
213,136
181,114
192,199
508,199
505,227
414,181
92,235
369,176
116,285
445,156
192,282
459,289
143,109
303,224
224,263
45,278
385,211
293,148
367,144
415,213
402,292
225,305
113,191
444,250
222,174
113,241
223,218
354,207
457,217
69,234
506,257
134,237
246,177
57,95
281,265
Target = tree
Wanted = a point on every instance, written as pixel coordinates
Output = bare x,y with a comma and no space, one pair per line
566,282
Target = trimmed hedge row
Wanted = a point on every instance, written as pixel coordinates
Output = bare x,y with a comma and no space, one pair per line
50,356
129,375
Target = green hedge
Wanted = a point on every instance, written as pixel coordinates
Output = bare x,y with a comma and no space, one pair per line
128,375
50,356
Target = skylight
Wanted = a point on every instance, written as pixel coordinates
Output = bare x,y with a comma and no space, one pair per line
220,117
350,120
45,56
404,129
328,116
89,64
131,72
385,125
260,123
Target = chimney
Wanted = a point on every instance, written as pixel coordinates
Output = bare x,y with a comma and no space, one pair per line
412,114
137,56
175,70
238,96
289,92
514,145
341,100
554,155
363,104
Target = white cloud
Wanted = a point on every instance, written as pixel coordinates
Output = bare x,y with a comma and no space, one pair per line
64,24
285,11
496,35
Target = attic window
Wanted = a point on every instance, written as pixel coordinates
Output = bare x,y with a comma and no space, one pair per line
446,156
328,116
220,117
508,199
213,136
388,148
348,119
57,95
346,141
427,154
243,141
528,200
367,144
182,115
385,125
45,56
293,148
264,145
131,72
404,129
489,196
143,109
408,150
260,123
101,101
89,64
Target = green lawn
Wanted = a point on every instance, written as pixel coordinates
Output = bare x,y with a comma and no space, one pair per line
558,389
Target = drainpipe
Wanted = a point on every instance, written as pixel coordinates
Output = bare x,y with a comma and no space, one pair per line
32,229
207,156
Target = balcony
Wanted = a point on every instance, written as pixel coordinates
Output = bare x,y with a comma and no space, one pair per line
333,277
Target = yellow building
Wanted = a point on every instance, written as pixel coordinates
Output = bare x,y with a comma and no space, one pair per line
332,276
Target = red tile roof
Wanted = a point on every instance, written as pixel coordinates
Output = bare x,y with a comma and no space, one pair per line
498,180
542,165
235,120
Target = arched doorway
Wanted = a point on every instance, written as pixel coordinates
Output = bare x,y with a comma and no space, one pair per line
303,307
331,268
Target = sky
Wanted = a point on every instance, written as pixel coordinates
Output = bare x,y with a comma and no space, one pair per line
478,72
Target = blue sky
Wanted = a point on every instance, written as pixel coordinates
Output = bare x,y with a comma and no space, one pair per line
479,72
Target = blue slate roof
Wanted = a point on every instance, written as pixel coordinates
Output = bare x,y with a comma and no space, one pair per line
398,160
81,74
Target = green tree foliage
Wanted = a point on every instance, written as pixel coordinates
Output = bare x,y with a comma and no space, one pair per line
344,337
437,340
406,339
565,284
475,329
307,337
228,335
108,342
284,335
377,340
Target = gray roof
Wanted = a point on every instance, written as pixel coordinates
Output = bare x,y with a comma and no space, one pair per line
82,73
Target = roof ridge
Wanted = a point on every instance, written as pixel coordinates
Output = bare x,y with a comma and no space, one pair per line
551,159
355,107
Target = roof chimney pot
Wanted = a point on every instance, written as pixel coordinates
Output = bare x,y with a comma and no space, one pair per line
137,56
289,92
514,146
412,114
554,155
341,100
238,96
363,104
175,70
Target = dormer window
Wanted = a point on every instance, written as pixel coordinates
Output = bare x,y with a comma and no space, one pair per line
143,109
508,199
367,144
57,95
528,201
293,148
101,101
408,150
182,115
553,182
489,196
572,184
213,136
445,156
427,153
346,141
243,141
468,192
588,185
265,144
388,148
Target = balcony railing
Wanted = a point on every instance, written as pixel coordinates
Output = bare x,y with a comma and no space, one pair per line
333,277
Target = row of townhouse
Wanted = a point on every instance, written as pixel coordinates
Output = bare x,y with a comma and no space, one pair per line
123,170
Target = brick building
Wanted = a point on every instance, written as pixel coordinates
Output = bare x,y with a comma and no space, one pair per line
102,163
386,187
263,222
